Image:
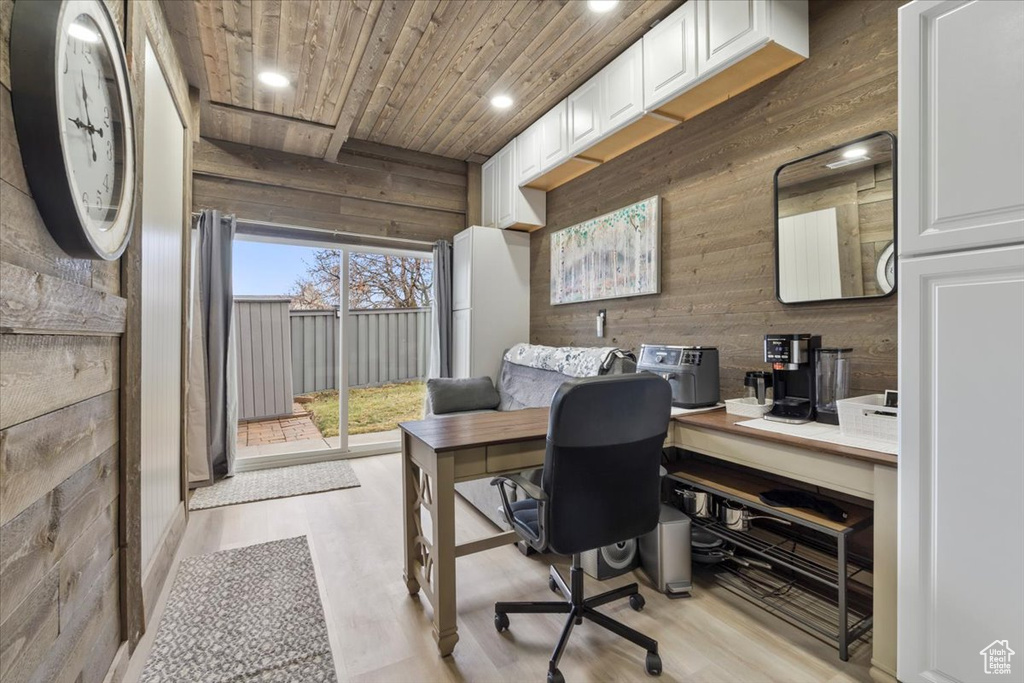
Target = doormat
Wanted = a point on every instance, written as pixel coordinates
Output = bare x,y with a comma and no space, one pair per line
280,482
246,614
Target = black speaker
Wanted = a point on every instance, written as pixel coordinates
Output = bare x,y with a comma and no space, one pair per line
611,560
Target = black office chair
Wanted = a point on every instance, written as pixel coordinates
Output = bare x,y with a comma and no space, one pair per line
600,485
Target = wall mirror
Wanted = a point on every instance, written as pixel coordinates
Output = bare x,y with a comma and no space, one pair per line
835,223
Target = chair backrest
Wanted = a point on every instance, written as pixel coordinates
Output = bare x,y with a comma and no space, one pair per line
605,436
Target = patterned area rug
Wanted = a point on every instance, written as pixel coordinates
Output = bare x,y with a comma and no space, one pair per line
248,614
280,482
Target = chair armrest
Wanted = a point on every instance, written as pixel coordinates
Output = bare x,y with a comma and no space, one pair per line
531,489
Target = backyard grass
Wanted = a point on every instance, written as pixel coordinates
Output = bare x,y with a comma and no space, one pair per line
370,409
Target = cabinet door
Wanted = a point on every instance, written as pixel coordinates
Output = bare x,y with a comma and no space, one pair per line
462,265
584,108
528,164
726,31
623,89
554,137
670,56
961,75
961,401
506,187
462,353
488,195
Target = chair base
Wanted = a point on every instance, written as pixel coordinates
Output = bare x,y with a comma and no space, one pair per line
579,608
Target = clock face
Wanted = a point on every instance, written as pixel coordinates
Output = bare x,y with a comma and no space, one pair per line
93,131
885,269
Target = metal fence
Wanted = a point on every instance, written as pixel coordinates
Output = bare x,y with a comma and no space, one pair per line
383,346
283,353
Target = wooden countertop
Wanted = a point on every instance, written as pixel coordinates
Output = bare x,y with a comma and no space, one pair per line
472,430
721,421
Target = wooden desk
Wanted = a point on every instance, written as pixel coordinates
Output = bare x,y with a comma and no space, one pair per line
869,475
436,454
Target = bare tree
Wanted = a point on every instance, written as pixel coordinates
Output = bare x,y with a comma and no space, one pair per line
375,281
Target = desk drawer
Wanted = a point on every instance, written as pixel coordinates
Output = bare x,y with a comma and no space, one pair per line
515,457
470,463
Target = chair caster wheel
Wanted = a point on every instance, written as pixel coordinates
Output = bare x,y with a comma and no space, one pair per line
653,664
555,676
637,602
552,585
500,621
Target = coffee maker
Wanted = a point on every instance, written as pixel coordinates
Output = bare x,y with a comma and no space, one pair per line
792,357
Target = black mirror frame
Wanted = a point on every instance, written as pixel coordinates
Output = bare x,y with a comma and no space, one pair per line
895,215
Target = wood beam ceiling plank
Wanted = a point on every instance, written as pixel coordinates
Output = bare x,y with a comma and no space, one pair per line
469,28
325,19
237,32
486,32
266,25
209,19
412,33
437,30
382,40
339,53
507,42
596,48
290,44
184,29
355,42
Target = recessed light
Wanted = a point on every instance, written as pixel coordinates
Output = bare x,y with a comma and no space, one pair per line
81,32
501,101
855,153
602,6
274,79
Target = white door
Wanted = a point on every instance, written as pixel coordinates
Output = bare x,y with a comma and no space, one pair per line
462,264
489,198
163,232
961,466
554,137
505,186
670,56
584,107
961,79
623,89
726,31
462,355
528,164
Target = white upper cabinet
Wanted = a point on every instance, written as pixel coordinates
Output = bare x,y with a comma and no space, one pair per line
961,137
554,137
622,89
584,115
504,213
488,194
727,31
528,161
670,56
462,270
505,204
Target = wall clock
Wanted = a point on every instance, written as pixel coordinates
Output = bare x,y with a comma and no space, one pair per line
885,269
74,118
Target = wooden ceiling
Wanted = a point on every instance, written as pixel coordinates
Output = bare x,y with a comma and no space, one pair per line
415,74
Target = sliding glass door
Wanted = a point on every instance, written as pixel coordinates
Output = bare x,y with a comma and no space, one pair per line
331,347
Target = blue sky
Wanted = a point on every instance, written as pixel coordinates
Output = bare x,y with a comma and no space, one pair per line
261,268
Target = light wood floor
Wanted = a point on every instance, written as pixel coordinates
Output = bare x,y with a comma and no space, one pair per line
379,633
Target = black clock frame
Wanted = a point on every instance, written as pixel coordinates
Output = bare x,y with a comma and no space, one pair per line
36,45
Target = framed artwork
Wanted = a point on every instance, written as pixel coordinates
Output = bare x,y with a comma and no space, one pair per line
608,257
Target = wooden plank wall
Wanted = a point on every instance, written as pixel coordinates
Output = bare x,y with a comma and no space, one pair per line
63,325
714,175
373,189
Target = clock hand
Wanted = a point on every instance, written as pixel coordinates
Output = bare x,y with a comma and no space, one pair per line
88,128
85,103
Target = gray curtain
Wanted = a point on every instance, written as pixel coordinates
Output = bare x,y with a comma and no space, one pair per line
441,334
214,318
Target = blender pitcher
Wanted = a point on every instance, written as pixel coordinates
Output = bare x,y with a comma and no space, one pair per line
832,382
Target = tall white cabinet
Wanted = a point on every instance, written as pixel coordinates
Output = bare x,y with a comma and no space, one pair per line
961,334
490,297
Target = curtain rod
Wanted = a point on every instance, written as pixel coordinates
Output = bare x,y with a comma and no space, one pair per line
269,229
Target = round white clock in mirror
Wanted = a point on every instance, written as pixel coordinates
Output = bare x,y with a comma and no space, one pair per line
73,114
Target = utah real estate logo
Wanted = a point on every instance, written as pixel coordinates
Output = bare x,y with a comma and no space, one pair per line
997,657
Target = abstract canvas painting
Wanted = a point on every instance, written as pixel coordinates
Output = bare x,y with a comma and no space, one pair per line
608,257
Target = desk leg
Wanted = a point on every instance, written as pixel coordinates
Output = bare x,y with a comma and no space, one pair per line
443,519
410,516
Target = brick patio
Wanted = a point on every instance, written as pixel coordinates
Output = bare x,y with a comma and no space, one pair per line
298,427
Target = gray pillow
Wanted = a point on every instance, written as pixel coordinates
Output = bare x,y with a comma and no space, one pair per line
459,395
